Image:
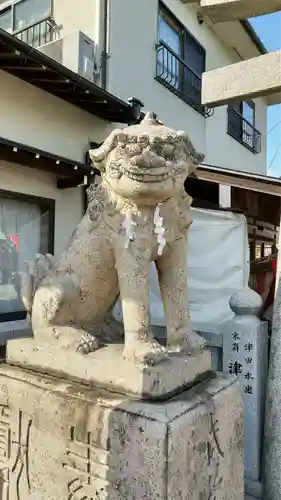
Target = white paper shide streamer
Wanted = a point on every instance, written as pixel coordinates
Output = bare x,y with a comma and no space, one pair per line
128,224
159,230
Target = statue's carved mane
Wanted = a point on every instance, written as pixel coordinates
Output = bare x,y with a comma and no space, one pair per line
120,140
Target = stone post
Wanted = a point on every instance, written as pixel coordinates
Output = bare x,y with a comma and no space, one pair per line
245,354
272,435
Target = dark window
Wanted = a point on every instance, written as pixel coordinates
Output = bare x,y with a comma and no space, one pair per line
204,194
249,111
180,60
29,20
170,31
6,20
29,12
26,228
241,124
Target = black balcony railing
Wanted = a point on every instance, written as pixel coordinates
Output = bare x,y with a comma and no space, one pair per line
172,72
243,131
39,33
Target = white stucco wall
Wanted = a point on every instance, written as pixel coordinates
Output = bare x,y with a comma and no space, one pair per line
131,71
83,15
36,118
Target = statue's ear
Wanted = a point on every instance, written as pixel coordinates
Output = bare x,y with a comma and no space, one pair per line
98,155
200,157
192,169
196,159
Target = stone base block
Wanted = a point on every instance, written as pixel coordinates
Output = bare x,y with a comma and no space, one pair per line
60,440
10,330
106,368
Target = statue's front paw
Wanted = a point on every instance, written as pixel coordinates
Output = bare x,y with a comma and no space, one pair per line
186,341
88,343
147,353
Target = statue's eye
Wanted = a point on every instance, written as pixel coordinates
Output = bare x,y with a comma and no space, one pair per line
168,152
122,137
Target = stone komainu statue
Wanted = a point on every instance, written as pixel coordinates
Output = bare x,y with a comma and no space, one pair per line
139,213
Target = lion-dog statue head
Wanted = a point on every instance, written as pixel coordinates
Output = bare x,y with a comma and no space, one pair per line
146,163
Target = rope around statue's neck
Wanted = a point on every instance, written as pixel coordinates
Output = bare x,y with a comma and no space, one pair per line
129,224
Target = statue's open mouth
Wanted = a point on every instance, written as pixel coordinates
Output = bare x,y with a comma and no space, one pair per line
143,175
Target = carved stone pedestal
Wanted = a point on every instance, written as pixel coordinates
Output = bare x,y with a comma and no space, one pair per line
62,440
107,369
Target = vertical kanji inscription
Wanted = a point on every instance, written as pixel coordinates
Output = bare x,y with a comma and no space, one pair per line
214,454
14,454
87,466
20,455
5,450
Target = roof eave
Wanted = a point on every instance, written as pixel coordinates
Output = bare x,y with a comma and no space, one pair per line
123,112
67,171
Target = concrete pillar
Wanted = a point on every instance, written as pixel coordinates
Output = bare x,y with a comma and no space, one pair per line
256,77
225,196
272,434
229,10
245,354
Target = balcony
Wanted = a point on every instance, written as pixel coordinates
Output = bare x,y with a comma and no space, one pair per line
38,34
243,131
172,72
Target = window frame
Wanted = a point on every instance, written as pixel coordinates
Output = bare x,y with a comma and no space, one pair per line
237,107
50,205
185,35
173,21
3,11
252,105
11,4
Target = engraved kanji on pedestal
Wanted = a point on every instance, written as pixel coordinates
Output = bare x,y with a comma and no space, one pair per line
14,455
5,450
87,468
214,455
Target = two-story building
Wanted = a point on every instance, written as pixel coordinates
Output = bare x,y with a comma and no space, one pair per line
65,85
155,50
158,52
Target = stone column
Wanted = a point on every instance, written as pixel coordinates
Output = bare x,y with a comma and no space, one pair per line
245,354
272,434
